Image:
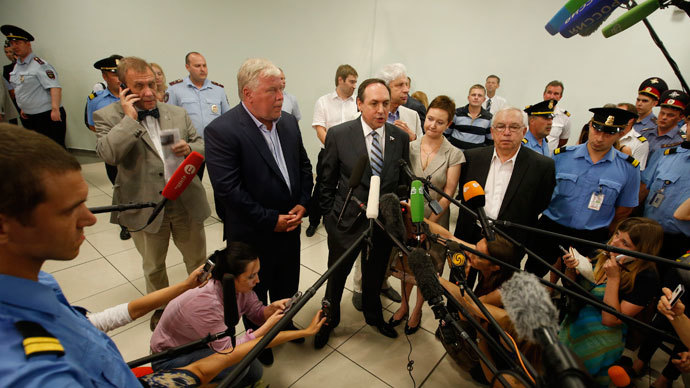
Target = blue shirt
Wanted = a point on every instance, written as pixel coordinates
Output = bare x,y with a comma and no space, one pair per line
32,80
646,123
290,105
393,116
203,104
102,99
533,144
273,143
669,177
672,138
577,178
91,358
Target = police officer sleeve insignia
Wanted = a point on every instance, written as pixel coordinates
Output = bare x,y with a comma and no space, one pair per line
559,150
166,97
642,139
50,74
39,60
177,81
524,141
670,151
37,340
653,120
217,84
632,161
92,96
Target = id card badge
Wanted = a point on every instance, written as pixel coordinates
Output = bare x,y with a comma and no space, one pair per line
656,200
596,201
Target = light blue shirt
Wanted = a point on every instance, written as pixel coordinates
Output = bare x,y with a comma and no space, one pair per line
393,116
646,123
273,143
91,358
103,98
668,177
32,80
533,144
670,139
577,178
290,105
203,104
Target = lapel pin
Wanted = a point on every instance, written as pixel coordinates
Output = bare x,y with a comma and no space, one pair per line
391,138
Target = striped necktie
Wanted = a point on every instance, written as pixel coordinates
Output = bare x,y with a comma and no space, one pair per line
488,104
376,155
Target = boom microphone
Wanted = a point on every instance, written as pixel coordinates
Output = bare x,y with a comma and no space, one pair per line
426,278
231,315
473,193
355,179
391,215
630,18
178,182
588,17
562,15
373,200
619,377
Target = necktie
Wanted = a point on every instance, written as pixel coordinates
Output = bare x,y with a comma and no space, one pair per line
143,113
376,155
488,104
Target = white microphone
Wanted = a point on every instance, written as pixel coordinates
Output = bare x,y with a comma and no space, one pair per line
373,201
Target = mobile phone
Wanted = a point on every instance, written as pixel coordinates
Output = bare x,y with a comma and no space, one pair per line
123,87
292,301
677,293
208,267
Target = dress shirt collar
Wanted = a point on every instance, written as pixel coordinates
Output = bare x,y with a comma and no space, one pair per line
188,82
583,152
393,116
497,158
27,59
14,292
532,139
367,130
258,123
633,133
335,96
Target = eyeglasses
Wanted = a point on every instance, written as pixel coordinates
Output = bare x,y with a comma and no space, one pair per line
502,127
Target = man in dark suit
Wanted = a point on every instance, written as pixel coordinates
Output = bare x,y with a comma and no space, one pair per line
518,182
260,172
385,144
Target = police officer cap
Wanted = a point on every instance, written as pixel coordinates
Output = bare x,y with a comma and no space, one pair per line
16,33
542,109
677,99
108,64
653,87
610,120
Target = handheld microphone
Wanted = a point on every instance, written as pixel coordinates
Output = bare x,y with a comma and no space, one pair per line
355,179
427,281
183,176
231,315
121,207
619,377
535,319
588,17
406,167
630,18
389,205
433,204
562,15
473,193
373,200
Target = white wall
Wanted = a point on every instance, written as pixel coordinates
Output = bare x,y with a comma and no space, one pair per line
447,46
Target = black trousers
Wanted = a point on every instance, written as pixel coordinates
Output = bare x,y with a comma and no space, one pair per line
374,267
42,123
313,207
547,247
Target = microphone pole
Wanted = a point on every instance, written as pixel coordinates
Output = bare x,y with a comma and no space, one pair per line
121,207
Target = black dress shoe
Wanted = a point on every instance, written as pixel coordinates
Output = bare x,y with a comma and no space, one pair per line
395,322
155,319
411,330
311,229
266,357
321,338
124,233
387,330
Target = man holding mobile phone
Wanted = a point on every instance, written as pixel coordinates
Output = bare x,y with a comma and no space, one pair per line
129,136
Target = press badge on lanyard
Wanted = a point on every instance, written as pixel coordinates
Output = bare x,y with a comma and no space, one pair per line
658,197
596,200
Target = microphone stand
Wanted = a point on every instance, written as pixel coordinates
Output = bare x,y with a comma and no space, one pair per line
122,207
182,349
234,376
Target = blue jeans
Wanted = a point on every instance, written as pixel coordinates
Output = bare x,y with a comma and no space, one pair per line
250,376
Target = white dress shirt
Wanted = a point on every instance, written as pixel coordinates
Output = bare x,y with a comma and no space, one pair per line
366,129
497,183
560,128
640,149
331,110
497,103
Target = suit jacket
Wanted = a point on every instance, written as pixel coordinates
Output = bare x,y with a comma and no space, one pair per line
7,108
411,118
246,177
344,146
528,193
125,143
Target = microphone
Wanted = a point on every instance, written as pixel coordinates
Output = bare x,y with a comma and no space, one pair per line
427,281
433,204
373,200
619,377
417,202
355,179
535,319
473,193
406,167
588,17
183,176
231,315
389,205
562,15
121,207
630,18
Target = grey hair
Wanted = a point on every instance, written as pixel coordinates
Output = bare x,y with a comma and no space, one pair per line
523,114
251,70
391,72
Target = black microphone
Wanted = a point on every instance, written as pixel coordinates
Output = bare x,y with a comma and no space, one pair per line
535,319
473,193
231,315
355,179
435,207
121,207
427,281
406,167
391,216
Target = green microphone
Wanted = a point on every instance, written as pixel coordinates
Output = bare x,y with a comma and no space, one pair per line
630,18
417,201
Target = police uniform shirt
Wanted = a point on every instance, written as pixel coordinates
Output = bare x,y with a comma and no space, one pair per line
646,123
32,78
560,128
290,105
577,179
669,186
638,145
532,143
203,104
90,357
100,100
670,139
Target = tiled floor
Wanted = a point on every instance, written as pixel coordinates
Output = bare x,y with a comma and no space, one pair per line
108,272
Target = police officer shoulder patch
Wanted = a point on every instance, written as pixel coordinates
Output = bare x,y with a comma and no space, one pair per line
642,139
37,340
632,161
559,150
39,60
671,151
92,96
166,97
50,74
524,141
175,82
217,84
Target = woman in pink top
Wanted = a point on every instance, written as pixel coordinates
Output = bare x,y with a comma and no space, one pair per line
199,311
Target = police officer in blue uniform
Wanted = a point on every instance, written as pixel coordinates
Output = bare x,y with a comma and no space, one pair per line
540,118
648,96
36,88
596,186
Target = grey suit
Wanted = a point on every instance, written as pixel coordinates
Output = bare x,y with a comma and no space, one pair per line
125,143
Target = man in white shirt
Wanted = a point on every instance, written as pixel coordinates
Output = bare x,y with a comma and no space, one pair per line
560,128
331,109
493,102
638,144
